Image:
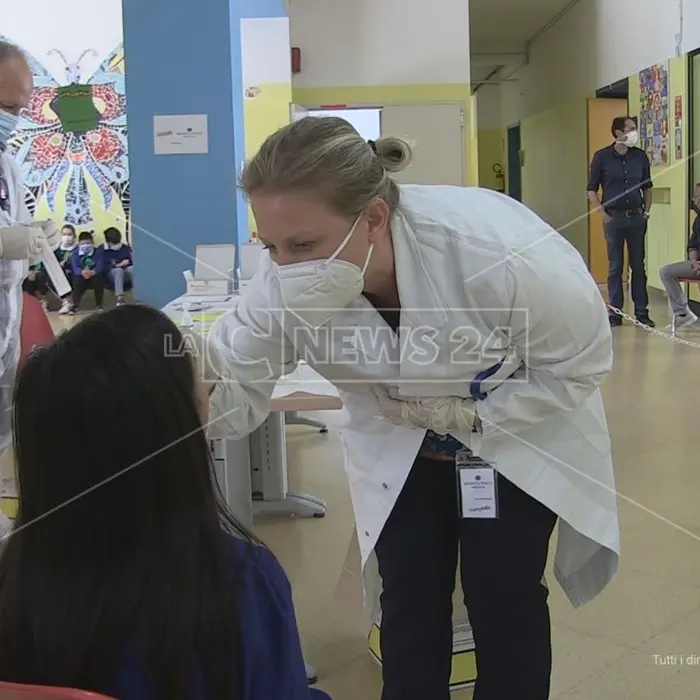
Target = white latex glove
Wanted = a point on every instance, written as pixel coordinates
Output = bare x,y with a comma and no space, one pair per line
53,235
449,414
21,242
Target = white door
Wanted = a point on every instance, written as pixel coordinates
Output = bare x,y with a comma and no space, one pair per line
435,132
297,112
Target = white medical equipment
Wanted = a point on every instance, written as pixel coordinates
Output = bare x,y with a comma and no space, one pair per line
54,270
250,255
213,271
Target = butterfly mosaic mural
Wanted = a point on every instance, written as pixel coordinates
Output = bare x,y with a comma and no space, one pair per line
76,173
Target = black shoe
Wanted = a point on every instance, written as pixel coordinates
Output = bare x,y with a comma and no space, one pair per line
646,321
615,320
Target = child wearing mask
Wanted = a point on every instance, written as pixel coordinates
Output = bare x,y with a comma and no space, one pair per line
87,266
119,263
63,255
37,283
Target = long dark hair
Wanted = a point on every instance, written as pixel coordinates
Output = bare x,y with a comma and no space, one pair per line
122,544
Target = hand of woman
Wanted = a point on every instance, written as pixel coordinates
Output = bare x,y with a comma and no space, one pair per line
442,415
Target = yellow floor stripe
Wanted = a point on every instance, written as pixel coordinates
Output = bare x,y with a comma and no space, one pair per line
9,506
463,662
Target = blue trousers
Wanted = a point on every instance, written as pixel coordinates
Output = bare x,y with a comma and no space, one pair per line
501,565
632,231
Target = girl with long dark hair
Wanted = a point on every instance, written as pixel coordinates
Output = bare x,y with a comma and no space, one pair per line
126,574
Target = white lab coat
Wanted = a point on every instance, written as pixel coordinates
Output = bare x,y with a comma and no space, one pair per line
12,274
475,269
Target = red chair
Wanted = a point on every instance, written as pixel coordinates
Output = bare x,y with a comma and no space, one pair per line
35,328
14,691
682,280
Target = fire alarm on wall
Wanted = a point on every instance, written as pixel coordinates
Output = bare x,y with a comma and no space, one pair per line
296,59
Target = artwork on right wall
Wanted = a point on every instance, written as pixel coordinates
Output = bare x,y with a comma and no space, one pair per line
678,126
654,112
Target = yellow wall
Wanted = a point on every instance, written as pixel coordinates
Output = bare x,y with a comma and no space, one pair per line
667,234
555,169
471,123
263,115
491,151
378,95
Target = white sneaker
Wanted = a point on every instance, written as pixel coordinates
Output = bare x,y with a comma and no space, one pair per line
682,321
65,307
5,527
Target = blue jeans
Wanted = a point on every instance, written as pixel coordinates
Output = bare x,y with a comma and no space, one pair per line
631,230
120,277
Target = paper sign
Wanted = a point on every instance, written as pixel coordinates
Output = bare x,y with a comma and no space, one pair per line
180,134
75,108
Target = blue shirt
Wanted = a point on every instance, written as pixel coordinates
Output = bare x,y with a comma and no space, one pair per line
91,261
114,257
621,177
694,242
272,666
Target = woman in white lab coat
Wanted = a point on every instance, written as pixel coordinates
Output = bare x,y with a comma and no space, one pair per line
453,321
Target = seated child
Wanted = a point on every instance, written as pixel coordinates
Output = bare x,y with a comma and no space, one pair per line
87,266
126,574
63,255
119,263
37,283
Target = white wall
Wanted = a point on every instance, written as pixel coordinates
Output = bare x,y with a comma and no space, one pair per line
380,42
40,26
488,107
265,54
691,25
597,43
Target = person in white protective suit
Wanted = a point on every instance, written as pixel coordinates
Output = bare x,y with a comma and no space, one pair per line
459,329
21,239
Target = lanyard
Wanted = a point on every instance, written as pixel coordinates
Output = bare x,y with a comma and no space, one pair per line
475,387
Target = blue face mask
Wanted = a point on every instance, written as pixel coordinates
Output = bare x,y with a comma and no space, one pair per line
8,123
85,248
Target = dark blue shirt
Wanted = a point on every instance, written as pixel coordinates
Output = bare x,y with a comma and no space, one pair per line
272,667
623,178
694,242
114,257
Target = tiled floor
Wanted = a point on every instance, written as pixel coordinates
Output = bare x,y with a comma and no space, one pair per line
613,648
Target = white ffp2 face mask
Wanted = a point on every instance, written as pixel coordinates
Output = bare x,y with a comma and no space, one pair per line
631,138
313,291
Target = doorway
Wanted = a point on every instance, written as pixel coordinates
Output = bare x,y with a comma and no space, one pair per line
601,112
367,121
435,132
515,186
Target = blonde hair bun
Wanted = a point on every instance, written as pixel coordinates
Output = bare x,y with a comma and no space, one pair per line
394,153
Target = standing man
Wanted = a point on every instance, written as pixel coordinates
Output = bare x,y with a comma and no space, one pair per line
20,238
623,172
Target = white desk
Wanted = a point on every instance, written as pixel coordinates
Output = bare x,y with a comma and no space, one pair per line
252,472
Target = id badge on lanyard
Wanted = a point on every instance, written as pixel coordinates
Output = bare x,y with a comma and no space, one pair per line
477,486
